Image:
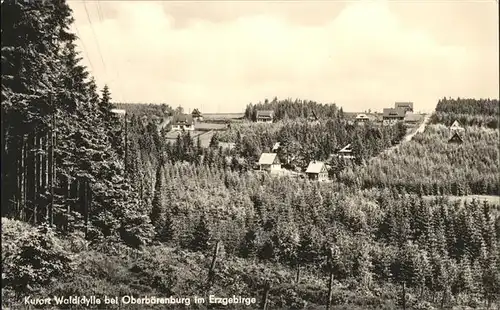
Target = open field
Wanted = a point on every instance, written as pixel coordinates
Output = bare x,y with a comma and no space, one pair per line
222,116
205,138
209,126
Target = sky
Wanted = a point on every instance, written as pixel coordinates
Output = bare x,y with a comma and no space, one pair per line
218,56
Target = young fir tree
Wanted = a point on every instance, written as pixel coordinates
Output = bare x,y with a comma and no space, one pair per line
158,210
200,240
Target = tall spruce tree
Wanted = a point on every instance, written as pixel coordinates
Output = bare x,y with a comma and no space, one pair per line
55,139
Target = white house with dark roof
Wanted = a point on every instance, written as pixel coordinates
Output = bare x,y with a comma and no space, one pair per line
392,116
317,171
266,116
182,122
456,127
362,118
269,162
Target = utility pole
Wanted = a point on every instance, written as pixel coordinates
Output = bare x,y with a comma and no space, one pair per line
53,168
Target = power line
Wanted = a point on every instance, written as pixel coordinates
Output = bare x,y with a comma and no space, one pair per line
95,37
101,19
100,13
83,46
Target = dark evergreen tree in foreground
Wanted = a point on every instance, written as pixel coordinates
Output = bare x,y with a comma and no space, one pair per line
60,140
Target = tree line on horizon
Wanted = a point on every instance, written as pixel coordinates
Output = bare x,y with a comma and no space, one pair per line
292,109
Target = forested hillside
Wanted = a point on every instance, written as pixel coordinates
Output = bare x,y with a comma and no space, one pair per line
144,109
92,209
431,165
470,112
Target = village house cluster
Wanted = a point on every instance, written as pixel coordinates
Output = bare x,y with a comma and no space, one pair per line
402,112
317,170
456,131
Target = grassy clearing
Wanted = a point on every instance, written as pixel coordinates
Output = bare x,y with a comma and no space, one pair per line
209,126
222,116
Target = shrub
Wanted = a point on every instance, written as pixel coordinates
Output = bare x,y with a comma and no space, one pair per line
39,260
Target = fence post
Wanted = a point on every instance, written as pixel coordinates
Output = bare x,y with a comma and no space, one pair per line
265,296
331,255
297,275
212,265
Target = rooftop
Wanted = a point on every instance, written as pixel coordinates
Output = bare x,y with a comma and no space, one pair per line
182,119
412,117
391,112
456,125
361,116
403,104
315,167
118,111
267,158
265,113
346,149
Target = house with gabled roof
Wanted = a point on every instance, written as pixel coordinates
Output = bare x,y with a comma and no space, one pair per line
269,162
182,122
391,116
346,152
456,138
456,126
407,106
317,171
265,116
362,118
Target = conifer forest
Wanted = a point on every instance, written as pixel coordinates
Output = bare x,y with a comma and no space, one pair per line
99,204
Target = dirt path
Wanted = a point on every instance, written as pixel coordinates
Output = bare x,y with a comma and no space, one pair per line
408,137
420,129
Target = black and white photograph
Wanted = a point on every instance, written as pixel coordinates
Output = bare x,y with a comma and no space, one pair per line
250,154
